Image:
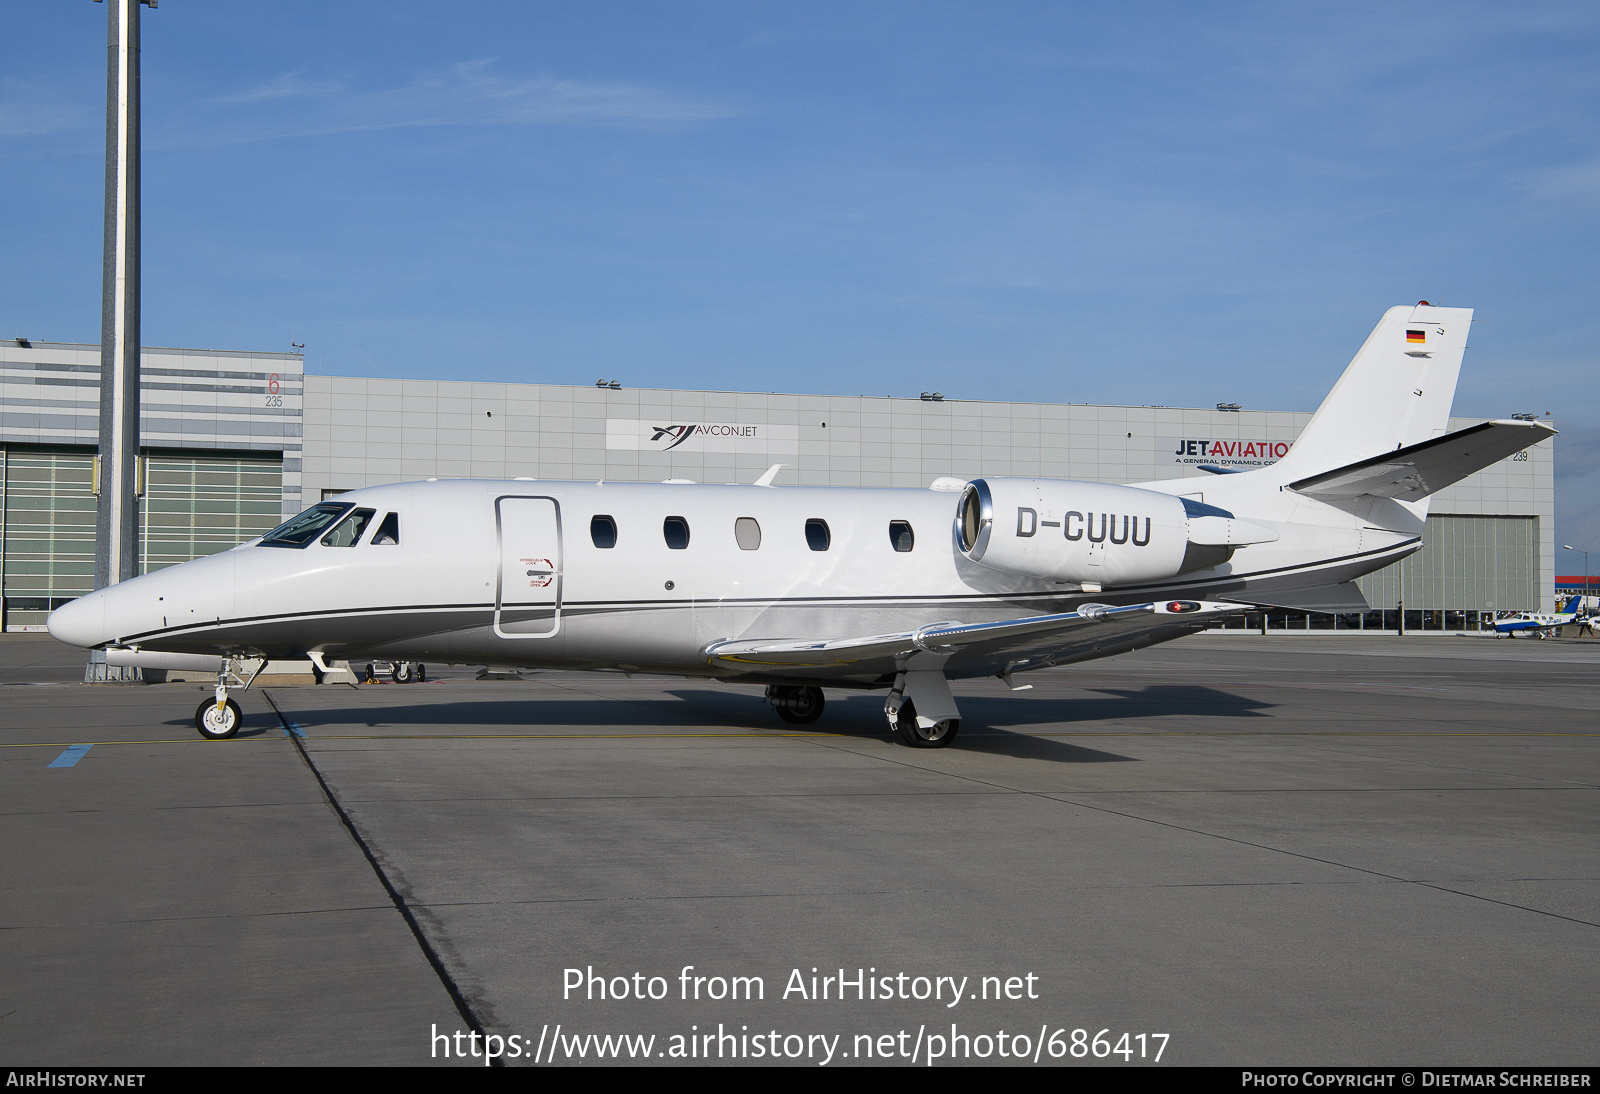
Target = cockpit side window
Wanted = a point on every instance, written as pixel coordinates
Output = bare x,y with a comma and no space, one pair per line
388,533
305,527
347,533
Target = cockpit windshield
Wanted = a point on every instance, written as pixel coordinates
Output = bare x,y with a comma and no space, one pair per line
304,528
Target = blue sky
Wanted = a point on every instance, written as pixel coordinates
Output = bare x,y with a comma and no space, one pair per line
1143,203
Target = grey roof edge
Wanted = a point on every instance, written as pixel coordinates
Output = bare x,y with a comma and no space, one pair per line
946,401
272,355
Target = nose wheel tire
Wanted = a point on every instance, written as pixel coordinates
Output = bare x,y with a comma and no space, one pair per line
218,725
937,735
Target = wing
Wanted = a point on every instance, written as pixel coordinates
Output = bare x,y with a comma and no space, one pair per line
973,649
1414,472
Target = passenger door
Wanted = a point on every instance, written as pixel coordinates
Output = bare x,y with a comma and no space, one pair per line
527,601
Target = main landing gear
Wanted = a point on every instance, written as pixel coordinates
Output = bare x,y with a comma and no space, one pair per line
924,732
921,709
796,705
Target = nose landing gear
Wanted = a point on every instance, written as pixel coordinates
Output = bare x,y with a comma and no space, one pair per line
219,718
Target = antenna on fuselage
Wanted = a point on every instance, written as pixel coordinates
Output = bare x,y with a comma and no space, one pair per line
768,475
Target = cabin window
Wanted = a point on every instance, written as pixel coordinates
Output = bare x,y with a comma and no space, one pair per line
305,527
748,533
675,530
603,530
817,535
901,536
347,533
388,533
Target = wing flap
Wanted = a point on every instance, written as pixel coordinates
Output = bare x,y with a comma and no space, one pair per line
1344,597
1415,471
971,646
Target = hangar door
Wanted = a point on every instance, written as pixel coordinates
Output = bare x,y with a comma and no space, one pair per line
527,600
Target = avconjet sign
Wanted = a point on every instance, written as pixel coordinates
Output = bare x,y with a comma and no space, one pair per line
666,434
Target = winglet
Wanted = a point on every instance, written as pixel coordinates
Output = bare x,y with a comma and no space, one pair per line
768,475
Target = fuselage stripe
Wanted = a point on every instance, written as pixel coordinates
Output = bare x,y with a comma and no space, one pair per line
598,607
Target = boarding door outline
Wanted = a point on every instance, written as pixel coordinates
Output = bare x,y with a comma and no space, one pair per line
528,574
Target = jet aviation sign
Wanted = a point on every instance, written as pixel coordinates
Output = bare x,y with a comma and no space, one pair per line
666,434
1234,453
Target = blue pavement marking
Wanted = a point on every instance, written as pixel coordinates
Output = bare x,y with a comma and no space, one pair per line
294,729
72,755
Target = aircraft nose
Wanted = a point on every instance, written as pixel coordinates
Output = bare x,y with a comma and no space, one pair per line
82,622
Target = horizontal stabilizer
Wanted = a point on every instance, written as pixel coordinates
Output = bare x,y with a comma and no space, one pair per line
1415,471
1344,597
976,648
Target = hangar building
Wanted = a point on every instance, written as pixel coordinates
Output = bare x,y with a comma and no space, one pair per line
236,442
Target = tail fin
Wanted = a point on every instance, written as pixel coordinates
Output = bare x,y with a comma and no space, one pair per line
1396,392
1573,605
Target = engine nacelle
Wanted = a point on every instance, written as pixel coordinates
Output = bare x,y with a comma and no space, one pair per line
1094,533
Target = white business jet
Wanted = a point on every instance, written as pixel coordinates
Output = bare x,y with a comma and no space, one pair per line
802,588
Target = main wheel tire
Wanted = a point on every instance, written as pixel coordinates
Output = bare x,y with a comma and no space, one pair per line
372,675
937,735
401,673
218,725
808,709
422,673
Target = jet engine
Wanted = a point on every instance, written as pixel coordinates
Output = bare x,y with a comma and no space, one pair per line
1094,533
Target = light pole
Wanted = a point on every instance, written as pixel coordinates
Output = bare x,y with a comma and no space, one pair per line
1584,603
116,554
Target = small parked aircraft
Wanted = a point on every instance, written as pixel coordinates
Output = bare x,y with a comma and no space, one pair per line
1540,624
802,588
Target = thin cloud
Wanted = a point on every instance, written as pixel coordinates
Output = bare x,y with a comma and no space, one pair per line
28,111
472,93
1579,180
290,85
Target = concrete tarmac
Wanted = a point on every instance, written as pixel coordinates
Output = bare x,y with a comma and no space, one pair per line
1231,849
